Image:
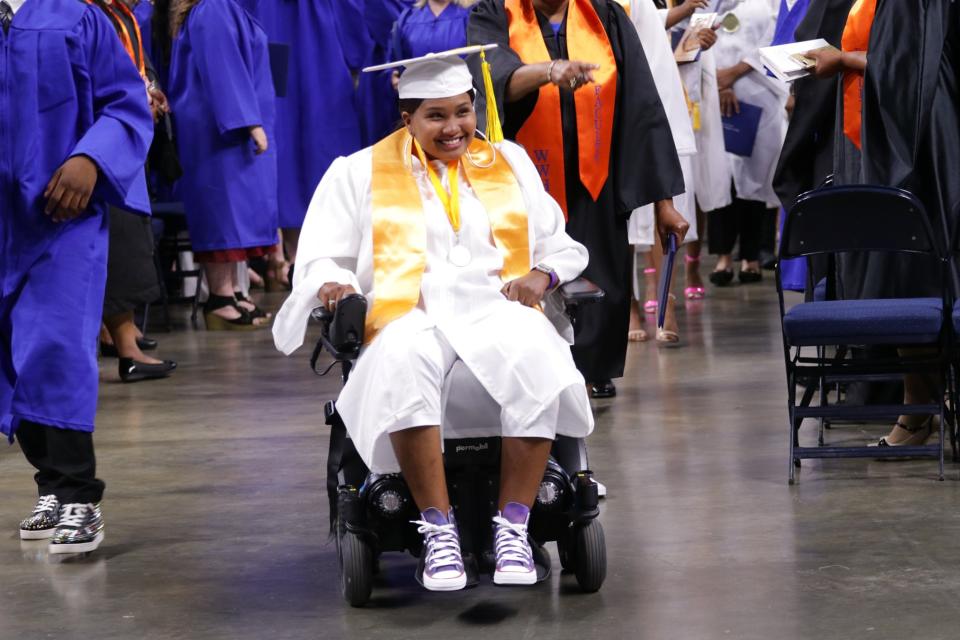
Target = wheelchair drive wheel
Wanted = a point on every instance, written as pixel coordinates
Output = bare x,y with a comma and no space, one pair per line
589,555
356,568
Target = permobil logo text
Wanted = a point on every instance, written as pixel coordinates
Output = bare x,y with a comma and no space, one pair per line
475,448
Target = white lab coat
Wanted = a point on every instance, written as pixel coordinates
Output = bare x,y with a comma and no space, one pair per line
518,354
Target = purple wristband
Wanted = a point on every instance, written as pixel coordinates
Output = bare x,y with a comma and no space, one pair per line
554,281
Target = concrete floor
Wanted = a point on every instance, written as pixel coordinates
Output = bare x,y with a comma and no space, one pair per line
217,518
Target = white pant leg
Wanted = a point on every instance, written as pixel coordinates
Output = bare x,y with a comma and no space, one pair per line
397,384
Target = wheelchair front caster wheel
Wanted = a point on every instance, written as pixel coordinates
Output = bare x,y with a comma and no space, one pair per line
590,555
566,552
356,569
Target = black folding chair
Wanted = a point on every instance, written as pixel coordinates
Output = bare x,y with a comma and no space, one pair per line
858,219
169,246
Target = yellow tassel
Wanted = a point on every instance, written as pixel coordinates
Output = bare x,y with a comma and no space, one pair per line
494,130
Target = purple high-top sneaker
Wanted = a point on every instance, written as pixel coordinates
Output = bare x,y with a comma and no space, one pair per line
514,556
443,564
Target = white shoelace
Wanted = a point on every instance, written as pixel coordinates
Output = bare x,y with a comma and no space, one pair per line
511,542
443,544
45,503
72,515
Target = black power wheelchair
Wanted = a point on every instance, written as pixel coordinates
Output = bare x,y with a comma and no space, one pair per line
371,513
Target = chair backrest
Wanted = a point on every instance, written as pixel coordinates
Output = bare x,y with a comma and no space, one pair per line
854,219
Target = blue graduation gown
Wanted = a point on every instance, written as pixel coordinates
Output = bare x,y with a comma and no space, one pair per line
67,88
419,32
317,119
220,86
144,14
378,100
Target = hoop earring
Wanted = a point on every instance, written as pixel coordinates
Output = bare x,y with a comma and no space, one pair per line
492,148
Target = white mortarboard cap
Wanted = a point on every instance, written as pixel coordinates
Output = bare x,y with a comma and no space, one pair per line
435,75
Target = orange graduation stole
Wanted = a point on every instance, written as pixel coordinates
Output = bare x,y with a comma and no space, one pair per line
856,37
132,45
400,231
542,133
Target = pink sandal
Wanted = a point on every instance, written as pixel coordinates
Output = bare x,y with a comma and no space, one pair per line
650,306
694,293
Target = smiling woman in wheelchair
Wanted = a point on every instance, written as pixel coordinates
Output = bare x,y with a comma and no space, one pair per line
458,249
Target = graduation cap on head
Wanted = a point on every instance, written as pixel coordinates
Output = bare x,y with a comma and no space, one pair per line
444,75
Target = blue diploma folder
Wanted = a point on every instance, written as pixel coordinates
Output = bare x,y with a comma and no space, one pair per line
666,273
740,129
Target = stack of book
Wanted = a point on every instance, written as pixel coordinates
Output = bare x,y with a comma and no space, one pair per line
787,61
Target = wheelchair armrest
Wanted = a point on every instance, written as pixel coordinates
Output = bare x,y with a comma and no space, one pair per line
342,331
580,291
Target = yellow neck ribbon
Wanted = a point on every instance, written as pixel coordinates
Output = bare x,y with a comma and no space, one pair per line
450,201
400,229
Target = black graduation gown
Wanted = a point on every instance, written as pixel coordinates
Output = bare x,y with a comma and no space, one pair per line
807,155
911,133
644,168
131,274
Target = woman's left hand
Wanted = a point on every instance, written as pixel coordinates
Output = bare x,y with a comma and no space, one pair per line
729,105
829,62
528,290
670,221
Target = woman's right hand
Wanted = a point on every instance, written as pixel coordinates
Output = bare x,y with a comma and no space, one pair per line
572,74
331,293
259,137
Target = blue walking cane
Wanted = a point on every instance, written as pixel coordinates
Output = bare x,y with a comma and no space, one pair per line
666,273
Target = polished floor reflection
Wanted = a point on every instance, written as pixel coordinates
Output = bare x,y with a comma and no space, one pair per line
217,518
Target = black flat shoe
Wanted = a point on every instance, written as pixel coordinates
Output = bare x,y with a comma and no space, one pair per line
133,371
722,278
749,277
144,344
605,389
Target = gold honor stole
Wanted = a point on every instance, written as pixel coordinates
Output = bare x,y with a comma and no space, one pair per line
542,133
400,230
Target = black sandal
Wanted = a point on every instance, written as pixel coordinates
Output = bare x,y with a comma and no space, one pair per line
215,322
257,311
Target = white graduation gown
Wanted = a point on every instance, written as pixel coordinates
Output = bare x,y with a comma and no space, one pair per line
656,47
712,173
520,355
753,176
711,168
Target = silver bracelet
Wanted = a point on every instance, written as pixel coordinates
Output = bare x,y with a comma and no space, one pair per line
553,63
